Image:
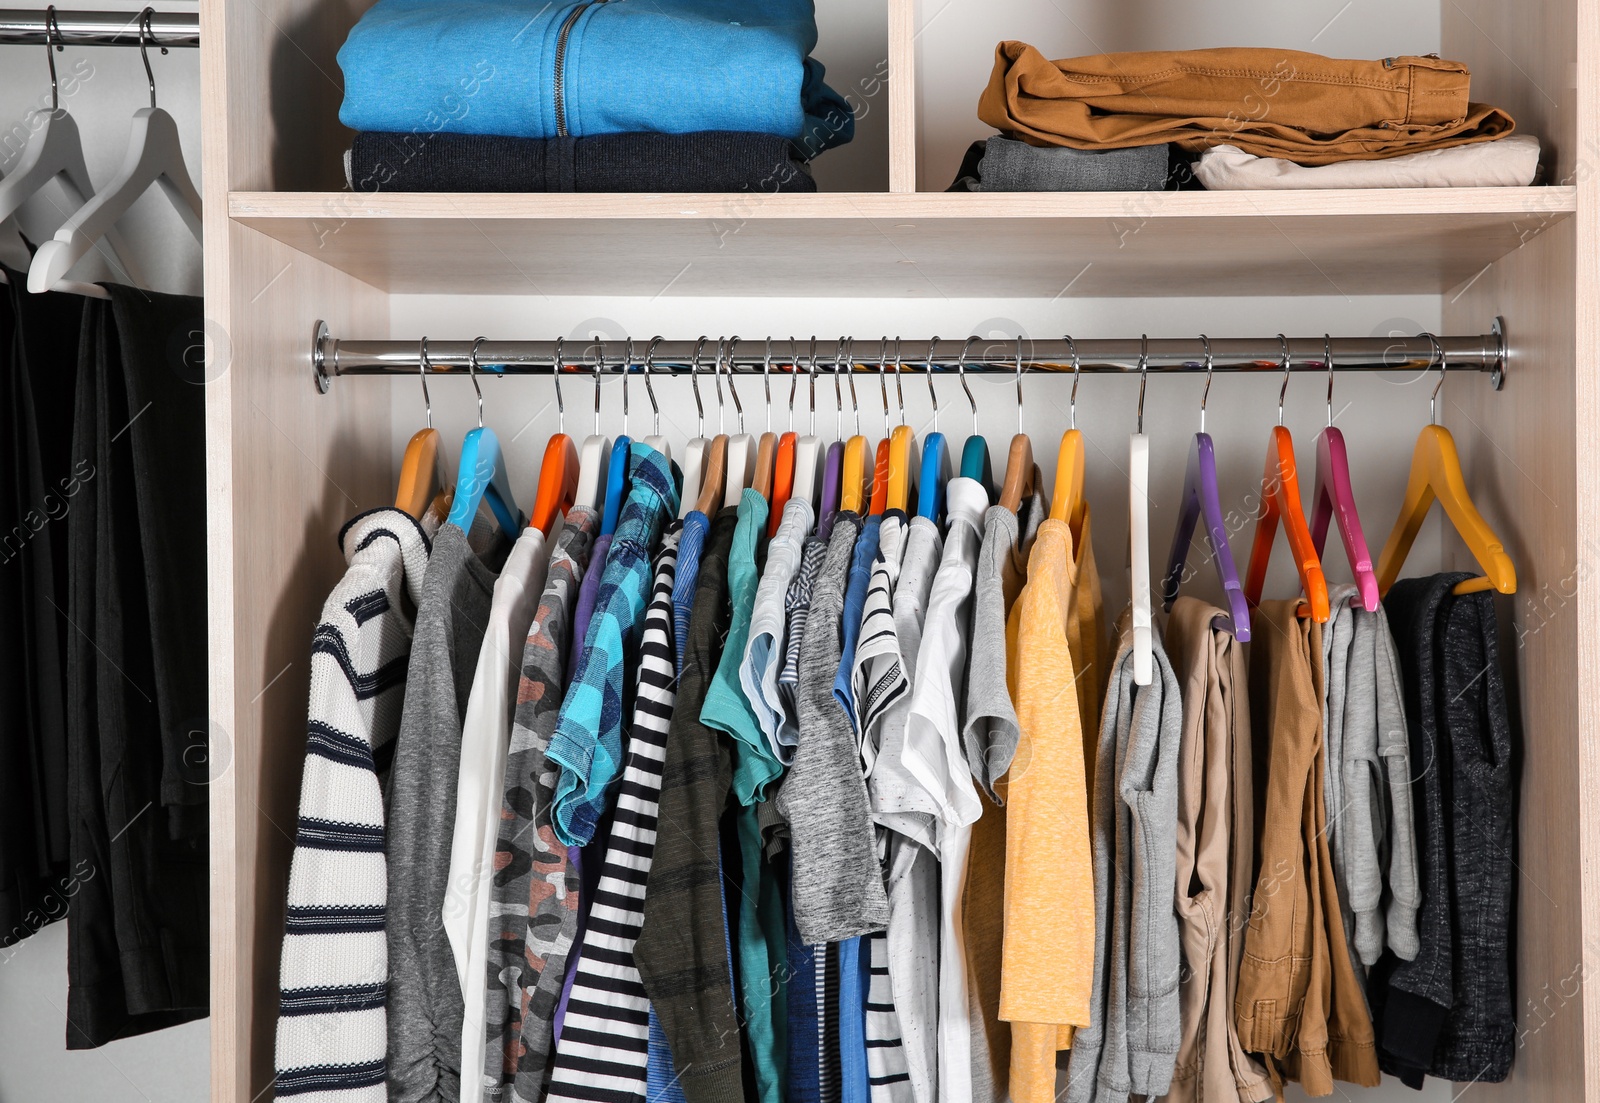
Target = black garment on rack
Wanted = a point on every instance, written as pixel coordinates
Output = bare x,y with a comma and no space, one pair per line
140,750
710,161
38,480
1449,1011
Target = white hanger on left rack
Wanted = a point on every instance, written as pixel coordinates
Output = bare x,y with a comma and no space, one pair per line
155,156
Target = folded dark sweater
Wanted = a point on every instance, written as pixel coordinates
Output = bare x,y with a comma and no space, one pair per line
709,161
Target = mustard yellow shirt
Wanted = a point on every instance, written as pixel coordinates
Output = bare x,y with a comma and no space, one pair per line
1047,967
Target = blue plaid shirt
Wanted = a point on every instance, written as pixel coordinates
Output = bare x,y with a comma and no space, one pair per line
587,744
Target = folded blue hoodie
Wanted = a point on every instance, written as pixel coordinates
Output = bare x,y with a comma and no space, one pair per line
529,69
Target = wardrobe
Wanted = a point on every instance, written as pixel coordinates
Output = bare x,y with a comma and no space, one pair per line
288,245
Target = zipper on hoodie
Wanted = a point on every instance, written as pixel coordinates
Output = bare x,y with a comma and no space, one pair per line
561,64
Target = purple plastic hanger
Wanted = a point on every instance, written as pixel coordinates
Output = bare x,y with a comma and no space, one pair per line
1199,498
832,473
1331,496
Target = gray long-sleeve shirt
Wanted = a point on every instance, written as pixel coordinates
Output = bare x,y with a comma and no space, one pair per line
1131,1046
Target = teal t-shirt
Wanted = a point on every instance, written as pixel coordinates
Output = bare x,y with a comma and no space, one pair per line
726,707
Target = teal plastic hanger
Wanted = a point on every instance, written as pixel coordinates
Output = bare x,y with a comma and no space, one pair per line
616,484
935,457
482,473
975,453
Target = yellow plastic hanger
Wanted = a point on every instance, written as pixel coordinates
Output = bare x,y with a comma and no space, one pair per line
1018,483
419,467
1067,502
1436,474
859,460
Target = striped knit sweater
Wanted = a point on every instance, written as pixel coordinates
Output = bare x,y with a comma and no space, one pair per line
331,1042
602,1055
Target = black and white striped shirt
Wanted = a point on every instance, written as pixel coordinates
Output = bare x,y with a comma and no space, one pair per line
332,1040
602,1056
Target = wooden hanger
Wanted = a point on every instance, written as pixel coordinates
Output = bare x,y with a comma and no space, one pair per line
1436,475
1331,497
1067,502
1200,498
1018,482
1280,501
1139,538
767,444
741,460
482,476
155,156
859,466
694,454
419,466
712,475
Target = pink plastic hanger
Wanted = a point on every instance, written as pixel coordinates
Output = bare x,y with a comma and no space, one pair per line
1331,496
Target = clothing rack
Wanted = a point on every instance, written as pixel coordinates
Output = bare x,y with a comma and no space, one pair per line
332,357
35,27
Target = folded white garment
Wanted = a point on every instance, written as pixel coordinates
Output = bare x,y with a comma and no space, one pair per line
1502,163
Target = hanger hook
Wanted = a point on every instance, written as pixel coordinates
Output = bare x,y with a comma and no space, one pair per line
883,379
1327,358
838,399
933,396
1144,368
967,389
1283,389
694,381
649,387
1210,363
1433,399
766,380
145,32
557,365
811,371
599,362
900,391
52,43
738,406
422,370
472,373
716,377
1019,384
845,355
794,377
1072,403
627,366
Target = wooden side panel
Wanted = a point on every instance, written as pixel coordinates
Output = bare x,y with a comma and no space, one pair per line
1524,450
902,96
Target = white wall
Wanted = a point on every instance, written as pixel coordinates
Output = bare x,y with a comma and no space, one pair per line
101,88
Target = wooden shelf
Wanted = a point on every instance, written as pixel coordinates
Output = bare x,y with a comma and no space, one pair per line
917,245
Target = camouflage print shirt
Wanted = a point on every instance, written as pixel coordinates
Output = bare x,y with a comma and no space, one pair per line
533,909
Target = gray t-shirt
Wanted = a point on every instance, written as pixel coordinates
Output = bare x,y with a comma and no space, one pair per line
837,886
424,998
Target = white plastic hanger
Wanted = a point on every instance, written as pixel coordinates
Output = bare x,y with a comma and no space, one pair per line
655,439
741,445
55,151
155,156
1139,535
594,458
694,455
808,453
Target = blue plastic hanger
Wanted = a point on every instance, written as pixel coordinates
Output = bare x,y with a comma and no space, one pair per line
482,474
1199,498
936,456
617,470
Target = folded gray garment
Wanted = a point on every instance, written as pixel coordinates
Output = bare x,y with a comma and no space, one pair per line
1009,165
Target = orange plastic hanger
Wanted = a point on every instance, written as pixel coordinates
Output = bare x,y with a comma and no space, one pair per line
1280,501
1436,474
882,479
782,481
558,471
